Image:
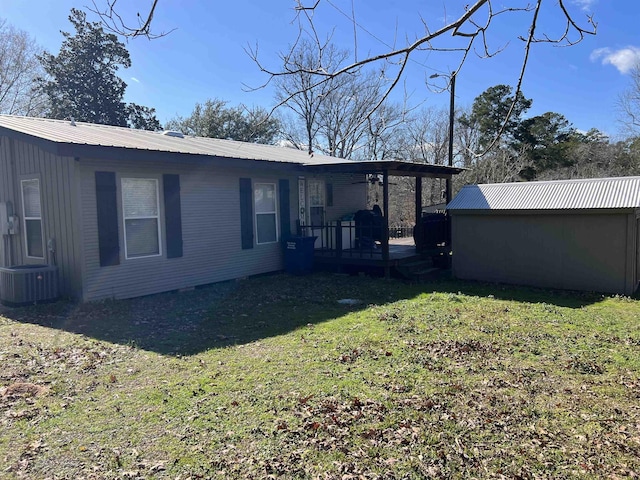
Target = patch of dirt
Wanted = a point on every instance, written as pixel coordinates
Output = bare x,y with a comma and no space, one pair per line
23,389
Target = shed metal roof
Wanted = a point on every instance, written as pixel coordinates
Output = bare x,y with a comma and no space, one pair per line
73,138
583,194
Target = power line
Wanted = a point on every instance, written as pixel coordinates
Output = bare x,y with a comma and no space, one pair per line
352,19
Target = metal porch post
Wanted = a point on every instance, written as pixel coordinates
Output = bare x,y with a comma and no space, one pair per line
418,199
385,223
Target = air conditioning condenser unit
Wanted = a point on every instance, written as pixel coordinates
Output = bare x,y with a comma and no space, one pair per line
28,284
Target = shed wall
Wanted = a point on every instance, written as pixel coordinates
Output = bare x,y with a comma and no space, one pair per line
576,251
211,230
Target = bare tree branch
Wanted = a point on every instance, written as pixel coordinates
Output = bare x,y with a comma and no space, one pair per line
629,104
518,89
471,29
113,22
19,67
466,27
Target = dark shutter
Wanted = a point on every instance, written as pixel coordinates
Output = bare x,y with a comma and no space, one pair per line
107,219
285,210
329,194
172,215
246,213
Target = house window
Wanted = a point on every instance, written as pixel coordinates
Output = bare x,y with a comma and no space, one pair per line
32,214
264,195
141,217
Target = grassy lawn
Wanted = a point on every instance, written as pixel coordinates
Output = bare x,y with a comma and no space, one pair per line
272,377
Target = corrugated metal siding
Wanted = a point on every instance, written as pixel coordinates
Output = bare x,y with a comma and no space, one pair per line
104,135
59,217
637,269
601,193
580,252
210,226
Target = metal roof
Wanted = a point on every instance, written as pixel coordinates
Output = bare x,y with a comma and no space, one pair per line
69,139
79,133
594,193
393,167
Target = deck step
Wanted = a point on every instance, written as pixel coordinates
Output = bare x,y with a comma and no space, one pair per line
412,270
421,270
426,271
415,265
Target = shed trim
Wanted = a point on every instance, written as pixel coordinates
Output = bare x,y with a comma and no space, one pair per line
586,211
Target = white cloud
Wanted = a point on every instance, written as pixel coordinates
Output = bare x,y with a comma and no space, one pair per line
135,79
585,5
624,59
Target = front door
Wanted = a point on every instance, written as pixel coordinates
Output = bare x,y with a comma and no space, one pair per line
316,191
317,201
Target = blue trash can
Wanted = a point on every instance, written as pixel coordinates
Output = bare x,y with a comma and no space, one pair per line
298,255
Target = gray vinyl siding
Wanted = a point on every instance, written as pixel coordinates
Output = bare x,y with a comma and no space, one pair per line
20,161
348,197
210,231
593,252
210,220
11,245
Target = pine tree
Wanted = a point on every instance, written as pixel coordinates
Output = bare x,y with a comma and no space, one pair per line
82,81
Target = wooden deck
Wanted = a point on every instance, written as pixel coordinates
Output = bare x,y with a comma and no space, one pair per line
367,256
400,250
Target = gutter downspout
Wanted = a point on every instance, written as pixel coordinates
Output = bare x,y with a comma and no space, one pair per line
418,202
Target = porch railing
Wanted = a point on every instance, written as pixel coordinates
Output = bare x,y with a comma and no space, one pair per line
344,238
401,230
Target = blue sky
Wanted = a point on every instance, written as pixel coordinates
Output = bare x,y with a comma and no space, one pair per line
204,57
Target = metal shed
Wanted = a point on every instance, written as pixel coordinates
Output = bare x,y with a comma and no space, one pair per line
569,234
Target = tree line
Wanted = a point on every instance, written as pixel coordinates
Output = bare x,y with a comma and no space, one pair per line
348,116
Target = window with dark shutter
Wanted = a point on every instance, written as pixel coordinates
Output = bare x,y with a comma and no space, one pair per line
246,213
107,213
264,195
285,209
141,216
172,215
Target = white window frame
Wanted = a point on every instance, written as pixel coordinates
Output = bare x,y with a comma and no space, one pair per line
141,217
25,218
274,212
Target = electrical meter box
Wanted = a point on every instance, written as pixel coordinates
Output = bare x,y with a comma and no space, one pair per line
8,221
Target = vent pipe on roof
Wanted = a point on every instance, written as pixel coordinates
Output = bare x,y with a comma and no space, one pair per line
72,122
173,133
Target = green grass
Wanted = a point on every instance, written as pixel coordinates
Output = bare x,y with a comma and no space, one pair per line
273,377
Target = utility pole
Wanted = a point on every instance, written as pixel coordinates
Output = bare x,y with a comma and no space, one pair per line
452,108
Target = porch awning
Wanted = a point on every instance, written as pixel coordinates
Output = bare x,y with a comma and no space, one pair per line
392,167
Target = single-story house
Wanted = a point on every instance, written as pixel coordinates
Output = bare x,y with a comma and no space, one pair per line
123,213
567,234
